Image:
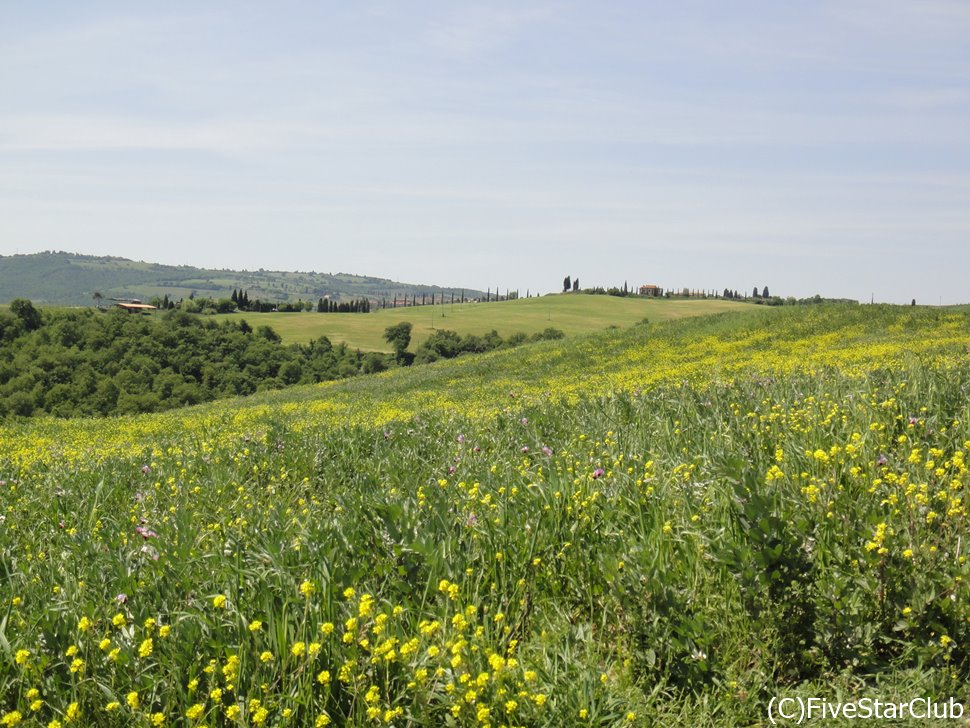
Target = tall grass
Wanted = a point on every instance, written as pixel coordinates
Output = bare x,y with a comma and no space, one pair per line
624,531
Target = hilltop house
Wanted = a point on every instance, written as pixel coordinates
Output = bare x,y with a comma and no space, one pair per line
651,290
135,307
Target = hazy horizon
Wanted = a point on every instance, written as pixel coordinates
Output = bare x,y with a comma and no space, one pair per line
808,147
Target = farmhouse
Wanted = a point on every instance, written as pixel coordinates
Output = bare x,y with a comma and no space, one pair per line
136,307
651,290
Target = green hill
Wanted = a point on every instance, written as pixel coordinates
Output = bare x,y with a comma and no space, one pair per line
573,314
71,279
670,524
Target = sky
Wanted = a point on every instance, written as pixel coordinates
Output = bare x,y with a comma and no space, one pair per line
811,147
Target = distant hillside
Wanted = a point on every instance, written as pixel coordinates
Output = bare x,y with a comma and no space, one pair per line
72,279
572,314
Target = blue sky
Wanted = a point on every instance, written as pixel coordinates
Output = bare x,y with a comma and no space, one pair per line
813,147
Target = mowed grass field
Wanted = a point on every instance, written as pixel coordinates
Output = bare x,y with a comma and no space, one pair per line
573,314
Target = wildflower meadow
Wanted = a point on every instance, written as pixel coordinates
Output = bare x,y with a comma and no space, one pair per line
663,525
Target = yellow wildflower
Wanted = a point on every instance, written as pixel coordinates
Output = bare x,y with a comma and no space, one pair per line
145,648
195,712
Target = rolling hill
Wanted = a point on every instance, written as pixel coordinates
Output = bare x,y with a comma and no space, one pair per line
71,279
572,314
663,525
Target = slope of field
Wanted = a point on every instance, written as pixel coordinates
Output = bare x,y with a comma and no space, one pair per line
572,314
666,525
71,279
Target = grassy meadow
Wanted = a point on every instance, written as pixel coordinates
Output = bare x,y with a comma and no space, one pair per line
572,314
667,524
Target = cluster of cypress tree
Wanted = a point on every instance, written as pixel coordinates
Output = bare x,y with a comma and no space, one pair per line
358,305
241,299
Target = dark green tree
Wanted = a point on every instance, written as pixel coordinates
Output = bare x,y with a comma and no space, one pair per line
25,311
373,363
399,337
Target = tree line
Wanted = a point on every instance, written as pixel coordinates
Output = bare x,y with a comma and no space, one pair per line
571,285
74,363
83,362
239,300
445,344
